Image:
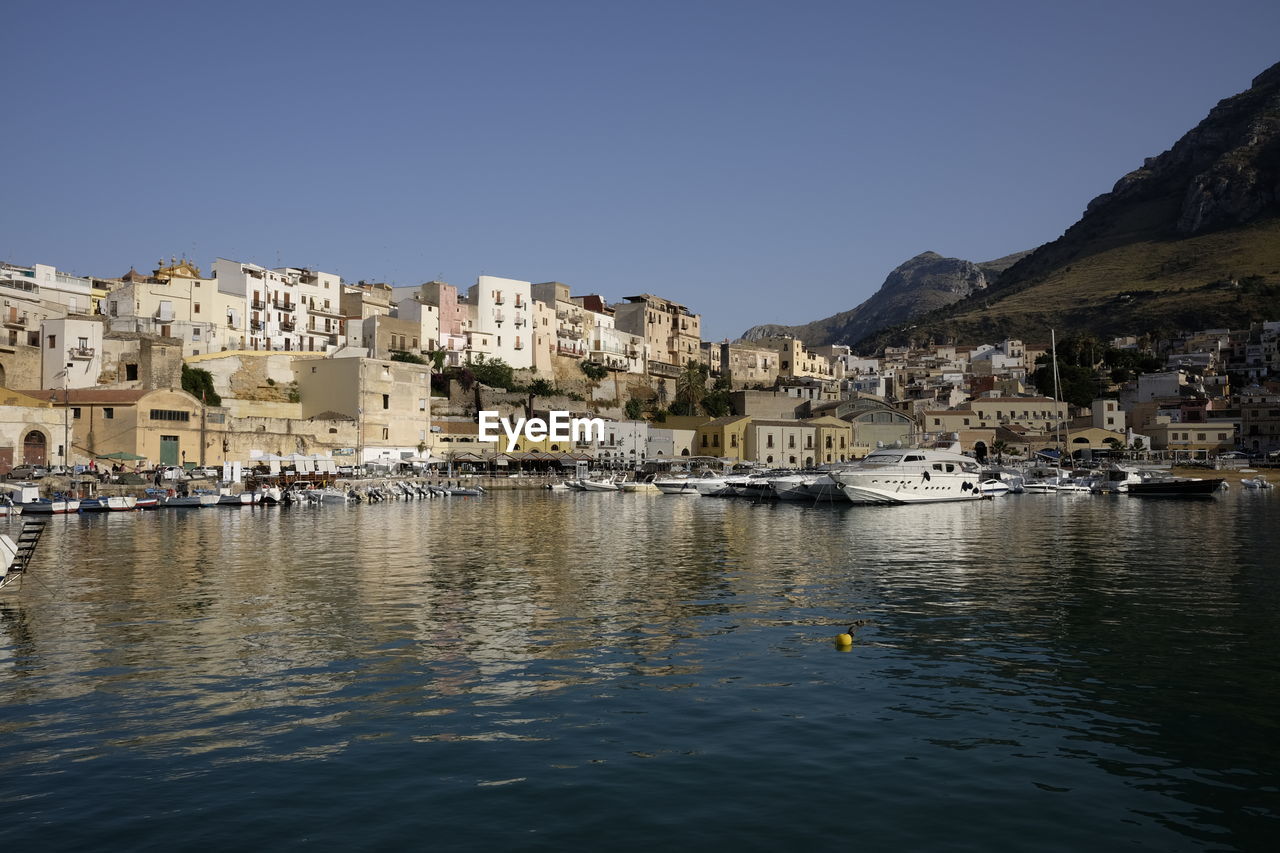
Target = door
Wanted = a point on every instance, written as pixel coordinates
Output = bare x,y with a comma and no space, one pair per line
34,448
168,450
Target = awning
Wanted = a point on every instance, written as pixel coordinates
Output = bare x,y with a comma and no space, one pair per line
123,456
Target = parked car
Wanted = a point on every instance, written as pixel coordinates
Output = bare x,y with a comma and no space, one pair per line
209,472
27,472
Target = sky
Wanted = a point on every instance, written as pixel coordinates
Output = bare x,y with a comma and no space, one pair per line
759,162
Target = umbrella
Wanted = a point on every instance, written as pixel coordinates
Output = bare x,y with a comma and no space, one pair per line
123,456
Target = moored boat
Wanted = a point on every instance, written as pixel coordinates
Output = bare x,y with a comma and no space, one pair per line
897,476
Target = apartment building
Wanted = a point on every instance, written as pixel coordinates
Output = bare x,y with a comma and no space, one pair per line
390,400
175,301
503,318
672,333
796,361
569,328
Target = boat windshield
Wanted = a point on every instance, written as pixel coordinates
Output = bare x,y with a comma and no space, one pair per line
883,459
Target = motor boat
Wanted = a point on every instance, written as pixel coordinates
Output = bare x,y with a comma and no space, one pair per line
600,485
678,486
1175,487
993,487
196,500
902,476
114,503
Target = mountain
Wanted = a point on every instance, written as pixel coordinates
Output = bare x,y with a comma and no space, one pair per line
925,283
1189,240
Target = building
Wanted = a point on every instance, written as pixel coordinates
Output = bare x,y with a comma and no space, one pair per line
672,333
390,401
745,364
782,443
32,430
723,437
175,301
503,318
1259,421
795,361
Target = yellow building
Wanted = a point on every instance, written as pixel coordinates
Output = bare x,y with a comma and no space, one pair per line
391,401
723,437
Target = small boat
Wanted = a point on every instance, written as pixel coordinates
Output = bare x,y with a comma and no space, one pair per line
993,487
148,503
46,506
456,491
8,507
600,485
114,503
1258,482
197,500
241,499
1175,487
644,486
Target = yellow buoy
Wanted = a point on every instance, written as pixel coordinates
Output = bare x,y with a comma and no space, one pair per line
844,639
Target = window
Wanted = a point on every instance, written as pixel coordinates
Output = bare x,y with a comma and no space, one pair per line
768,442
195,334
169,415
791,442
386,402
53,342
385,432
422,404
195,308
108,412
704,441
75,412
733,439
131,372
715,441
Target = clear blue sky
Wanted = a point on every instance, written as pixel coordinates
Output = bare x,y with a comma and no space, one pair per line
718,153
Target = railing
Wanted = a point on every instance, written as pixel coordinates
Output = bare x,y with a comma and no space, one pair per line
258,305
20,322
284,306
288,324
661,368
82,352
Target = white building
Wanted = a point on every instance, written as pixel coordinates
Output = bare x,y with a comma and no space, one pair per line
71,353
501,326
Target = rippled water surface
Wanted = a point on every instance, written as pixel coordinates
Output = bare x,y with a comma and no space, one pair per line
543,671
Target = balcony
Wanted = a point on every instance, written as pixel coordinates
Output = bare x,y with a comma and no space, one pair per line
81,353
255,325
661,368
288,324
15,320
258,305
284,306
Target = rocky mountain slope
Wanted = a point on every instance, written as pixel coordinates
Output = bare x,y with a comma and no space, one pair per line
925,283
1191,239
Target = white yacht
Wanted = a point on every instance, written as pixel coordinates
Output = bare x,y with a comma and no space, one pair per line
896,476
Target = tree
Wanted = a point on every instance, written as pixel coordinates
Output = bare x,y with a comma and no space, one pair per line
634,409
538,388
199,383
691,388
594,370
494,372
1000,448
408,357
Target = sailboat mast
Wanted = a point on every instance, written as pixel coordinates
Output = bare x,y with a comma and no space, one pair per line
1057,397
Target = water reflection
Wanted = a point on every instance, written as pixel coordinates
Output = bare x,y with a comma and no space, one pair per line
1062,655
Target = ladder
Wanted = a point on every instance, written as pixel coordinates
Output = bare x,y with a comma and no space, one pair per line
26,543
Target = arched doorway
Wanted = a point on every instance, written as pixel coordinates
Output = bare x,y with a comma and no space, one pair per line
35,450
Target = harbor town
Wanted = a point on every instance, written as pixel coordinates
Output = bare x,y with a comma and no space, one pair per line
251,376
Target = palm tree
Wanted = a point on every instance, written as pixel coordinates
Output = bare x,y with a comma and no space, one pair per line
691,387
1000,448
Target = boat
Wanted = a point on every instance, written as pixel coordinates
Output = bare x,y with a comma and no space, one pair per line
147,503
1176,487
644,486
1258,482
241,499
1115,480
459,491
994,487
677,486
48,506
906,476
115,503
8,507
600,485
197,500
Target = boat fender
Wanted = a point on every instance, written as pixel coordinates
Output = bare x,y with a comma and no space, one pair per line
926,476
172,493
